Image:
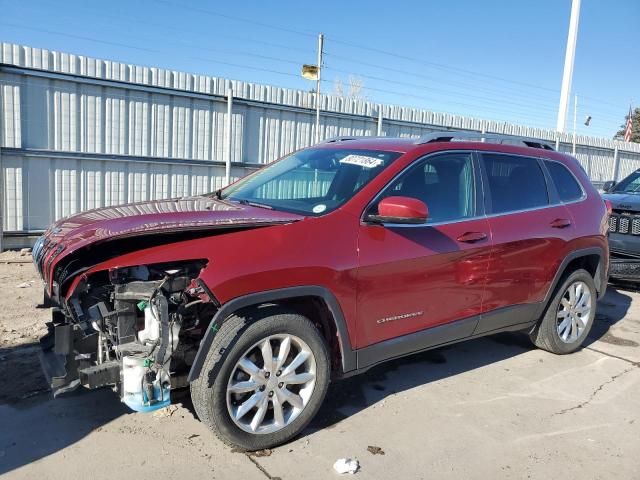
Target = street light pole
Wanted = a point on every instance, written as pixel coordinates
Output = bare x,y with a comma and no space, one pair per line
569,58
320,45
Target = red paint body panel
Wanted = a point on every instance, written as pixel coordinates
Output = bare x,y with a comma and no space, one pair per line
162,216
375,272
403,207
419,270
526,255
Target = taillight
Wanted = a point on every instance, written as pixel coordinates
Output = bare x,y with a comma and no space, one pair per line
609,206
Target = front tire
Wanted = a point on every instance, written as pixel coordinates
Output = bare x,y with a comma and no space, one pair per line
569,316
263,380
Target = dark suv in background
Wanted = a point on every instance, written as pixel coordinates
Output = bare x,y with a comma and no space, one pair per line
624,227
319,266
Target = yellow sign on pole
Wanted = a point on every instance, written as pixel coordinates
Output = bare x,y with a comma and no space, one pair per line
310,72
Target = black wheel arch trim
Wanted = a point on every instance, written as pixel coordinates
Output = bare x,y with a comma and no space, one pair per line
600,277
348,355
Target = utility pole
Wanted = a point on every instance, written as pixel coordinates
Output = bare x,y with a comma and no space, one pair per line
575,118
569,58
320,45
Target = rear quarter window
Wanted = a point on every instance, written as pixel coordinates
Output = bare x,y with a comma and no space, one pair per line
566,184
515,182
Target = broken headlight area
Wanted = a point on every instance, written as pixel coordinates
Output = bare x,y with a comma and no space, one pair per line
136,329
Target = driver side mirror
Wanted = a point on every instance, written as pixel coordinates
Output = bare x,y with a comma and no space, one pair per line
400,210
608,186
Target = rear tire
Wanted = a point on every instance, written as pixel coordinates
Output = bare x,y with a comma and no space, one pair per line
569,315
248,341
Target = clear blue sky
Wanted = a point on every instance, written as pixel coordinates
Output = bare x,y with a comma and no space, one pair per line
492,59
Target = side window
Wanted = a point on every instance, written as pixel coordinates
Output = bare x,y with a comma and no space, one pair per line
515,183
565,183
445,183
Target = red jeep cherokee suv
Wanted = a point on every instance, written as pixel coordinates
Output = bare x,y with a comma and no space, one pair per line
319,266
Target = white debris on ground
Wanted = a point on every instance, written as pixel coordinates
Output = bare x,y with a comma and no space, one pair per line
165,412
346,465
25,284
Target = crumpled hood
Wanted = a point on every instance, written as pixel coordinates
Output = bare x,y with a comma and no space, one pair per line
162,216
190,213
623,201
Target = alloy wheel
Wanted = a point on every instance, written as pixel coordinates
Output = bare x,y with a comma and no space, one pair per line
271,384
574,312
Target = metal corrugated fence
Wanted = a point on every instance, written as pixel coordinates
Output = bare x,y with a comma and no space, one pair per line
79,133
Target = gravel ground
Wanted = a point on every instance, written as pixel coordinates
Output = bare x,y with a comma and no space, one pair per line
488,408
21,325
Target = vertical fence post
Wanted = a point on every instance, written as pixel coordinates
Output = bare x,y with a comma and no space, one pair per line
2,202
557,141
379,132
483,132
229,145
616,164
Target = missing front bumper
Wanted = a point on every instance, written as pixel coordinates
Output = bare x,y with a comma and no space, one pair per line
67,358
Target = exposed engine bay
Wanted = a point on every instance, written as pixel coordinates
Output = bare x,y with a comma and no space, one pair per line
136,329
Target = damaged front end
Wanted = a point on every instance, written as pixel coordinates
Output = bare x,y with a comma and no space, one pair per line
136,329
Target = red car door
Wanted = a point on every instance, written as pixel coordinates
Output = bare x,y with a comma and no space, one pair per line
414,277
530,230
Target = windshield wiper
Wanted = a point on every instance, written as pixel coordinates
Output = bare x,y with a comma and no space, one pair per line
254,204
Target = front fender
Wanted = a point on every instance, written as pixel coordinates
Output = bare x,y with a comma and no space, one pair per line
347,353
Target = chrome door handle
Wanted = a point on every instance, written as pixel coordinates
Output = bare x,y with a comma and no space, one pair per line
561,223
471,237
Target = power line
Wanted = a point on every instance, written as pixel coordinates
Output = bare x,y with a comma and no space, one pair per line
277,59
528,114
273,71
449,67
78,37
439,65
133,47
354,45
475,86
234,18
165,28
448,92
550,104
217,50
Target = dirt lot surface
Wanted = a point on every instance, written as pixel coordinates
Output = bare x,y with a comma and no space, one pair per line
489,408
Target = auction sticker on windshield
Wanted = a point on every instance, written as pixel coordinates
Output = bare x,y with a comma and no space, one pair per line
362,161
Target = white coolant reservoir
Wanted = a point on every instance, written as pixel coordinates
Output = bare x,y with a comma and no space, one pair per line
140,394
151,330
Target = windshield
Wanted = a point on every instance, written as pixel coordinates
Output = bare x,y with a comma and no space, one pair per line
313,181
631,184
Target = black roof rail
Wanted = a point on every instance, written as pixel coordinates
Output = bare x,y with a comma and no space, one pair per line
457,135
